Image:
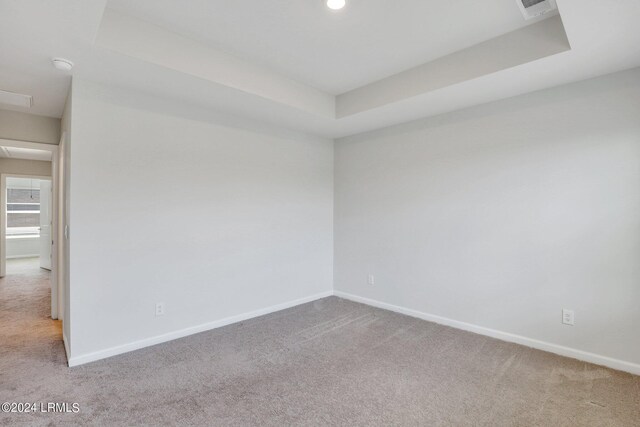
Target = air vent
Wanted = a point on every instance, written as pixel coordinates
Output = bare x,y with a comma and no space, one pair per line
532,8
15,99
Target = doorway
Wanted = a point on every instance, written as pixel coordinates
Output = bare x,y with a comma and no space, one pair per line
28,207
30,221
25,290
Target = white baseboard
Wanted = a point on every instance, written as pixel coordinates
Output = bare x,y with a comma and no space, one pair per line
597,359
147,342
584,356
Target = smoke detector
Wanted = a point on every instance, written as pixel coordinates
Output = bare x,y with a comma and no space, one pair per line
62,64
533,8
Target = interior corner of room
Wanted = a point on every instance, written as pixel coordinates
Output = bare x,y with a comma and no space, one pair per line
309,212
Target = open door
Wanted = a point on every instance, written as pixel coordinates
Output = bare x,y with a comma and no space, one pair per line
45,224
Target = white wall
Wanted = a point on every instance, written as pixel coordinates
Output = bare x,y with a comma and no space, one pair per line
23,246
64,202
503,214
214,221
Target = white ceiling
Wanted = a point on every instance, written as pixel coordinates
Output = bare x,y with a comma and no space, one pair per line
332,51
278,41
32,32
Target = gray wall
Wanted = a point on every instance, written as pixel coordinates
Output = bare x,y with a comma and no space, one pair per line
502,215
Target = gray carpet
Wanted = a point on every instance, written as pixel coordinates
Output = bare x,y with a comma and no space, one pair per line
330,362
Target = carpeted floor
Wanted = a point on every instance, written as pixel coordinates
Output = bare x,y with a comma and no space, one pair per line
331,362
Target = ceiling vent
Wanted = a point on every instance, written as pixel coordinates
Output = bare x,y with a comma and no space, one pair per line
15,99
532,8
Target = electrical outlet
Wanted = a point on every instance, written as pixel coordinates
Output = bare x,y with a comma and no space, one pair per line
160,309
371,279
568,317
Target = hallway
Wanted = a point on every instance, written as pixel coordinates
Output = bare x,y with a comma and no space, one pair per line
28,335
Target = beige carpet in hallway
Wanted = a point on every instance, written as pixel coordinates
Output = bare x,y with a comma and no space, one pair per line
331,362
27,332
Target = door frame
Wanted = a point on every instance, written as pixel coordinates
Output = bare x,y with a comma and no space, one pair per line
50,225
57,300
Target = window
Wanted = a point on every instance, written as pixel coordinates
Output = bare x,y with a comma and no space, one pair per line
23,212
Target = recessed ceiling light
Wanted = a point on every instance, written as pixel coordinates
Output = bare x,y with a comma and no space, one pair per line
336,4
62,64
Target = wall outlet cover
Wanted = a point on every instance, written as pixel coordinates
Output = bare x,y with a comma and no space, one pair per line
568,317
160,309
